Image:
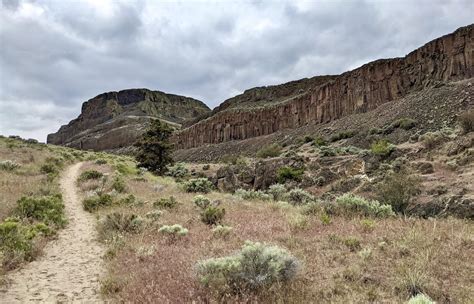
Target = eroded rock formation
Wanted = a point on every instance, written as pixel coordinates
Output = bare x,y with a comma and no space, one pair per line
114,120
262,111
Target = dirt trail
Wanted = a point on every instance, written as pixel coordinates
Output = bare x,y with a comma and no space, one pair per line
70,268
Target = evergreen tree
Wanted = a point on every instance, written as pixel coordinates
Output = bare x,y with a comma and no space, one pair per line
154,148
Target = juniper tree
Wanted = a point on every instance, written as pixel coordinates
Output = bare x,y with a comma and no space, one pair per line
154,148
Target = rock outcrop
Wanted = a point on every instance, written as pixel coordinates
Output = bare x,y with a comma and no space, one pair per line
262,111
114,120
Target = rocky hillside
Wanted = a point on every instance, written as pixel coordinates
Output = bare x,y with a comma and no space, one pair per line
263,111
113,120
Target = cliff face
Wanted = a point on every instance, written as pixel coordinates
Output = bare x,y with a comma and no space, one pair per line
114,120
262,111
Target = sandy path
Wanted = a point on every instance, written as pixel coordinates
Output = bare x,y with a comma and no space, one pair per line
70,268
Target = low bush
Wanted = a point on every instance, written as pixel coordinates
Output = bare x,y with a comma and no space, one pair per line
252,195
319,142
167,203
342,135
47,209
268,151
404,123
308,139
101,161
222,231
198,185
120,222
420,299
277,192
382,148
173,232
352,243
90,174
367,225
8,165
397,189
201,201
49,168
298,196
289,173
212,215
351,204
154,215
255,267
297,222
118,184
466,120
95,202
432,139
178,170
206,167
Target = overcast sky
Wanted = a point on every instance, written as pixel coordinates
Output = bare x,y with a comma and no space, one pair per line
54,55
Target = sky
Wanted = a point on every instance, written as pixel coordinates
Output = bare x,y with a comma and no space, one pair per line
54,55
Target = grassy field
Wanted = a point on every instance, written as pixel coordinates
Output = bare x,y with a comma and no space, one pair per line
342,258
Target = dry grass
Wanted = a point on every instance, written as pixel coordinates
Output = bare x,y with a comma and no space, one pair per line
343,262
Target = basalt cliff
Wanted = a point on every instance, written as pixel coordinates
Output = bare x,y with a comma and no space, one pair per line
114,120
265,110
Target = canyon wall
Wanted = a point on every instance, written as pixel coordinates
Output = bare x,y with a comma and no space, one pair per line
445,59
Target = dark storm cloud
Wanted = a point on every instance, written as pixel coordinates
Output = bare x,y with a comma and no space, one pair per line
56,54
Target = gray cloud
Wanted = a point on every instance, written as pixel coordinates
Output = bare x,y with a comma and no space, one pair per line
56,54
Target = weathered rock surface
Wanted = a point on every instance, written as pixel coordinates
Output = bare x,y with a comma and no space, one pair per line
114,120
263,111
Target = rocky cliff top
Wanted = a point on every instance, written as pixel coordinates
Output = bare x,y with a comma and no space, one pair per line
113,120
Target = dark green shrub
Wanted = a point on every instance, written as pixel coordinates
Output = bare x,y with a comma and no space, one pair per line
382,148
319,142
47,209
168,203
342,135
95,202
268,151
198,185
101,161
206,167
155,148
397,190
289,173
90,174
212,215
404,123
49,168
255,267
308,139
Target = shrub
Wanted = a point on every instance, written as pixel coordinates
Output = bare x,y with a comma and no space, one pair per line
268,151
397,190
212,215
198,185
90,174
312,208
118,184
129,200
404,123
201,201
177,170
15,244
8,165
168,203
49,168
154,147
289,173
252,195
101,161
206,167
222,231
352,243
420,299
298,196
382,148
154,215
297,222
277,191
319,142
120,222
342,135
466,120
173,232
325,218
352,204
308,139
95,202
367,225
432,139
47,209
255,267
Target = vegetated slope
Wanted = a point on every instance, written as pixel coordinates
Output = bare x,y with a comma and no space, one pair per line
260,111
431,108
114,120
